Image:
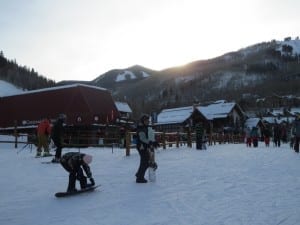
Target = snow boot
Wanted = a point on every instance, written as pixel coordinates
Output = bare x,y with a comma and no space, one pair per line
141,180
83,182
46,154
55,160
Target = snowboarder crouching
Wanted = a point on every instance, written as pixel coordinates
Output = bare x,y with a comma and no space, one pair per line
75,163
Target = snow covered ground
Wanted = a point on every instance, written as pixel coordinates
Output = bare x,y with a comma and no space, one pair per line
225,185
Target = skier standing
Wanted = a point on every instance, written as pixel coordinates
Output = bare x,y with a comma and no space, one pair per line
57,136
43,132
143,148
296,132
254,136
267,135
248,136
75,163
199,136
276,134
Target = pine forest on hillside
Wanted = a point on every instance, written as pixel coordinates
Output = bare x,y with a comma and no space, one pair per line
22,76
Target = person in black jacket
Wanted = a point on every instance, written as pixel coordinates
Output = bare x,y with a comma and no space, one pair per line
199,136
57,135
142,146
75,163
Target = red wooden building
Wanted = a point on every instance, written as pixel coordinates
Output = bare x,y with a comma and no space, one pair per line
82,104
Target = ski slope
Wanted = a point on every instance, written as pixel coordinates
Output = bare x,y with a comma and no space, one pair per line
227,184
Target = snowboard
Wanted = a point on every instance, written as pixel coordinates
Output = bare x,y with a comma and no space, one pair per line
49,162
68,194
152,164
152,174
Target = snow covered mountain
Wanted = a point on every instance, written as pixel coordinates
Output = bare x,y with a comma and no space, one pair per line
114,79
261,70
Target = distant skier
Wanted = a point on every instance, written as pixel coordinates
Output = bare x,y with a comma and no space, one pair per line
199,136
248,136
277,134
57,136
75,163
254,136
267,135
296,133
43,133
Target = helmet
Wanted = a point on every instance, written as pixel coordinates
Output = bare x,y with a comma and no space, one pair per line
144,117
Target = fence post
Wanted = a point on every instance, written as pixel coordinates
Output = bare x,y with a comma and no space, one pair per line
128,142
164,140
177,140
16,134
189,138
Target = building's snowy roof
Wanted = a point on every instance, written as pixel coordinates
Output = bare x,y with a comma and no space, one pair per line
252,122
217,110
175,115
8,89
123,107
277,112
295,111
57,88
273,120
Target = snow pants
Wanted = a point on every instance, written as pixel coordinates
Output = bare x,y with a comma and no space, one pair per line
58,149
296,145
75,174
144,163
43,143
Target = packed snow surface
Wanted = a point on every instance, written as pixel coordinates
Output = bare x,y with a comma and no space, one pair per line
228,184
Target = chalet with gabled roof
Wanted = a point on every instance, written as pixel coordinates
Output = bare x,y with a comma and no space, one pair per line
223,114
214,116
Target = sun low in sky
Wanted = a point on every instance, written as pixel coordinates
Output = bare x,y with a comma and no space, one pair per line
80,40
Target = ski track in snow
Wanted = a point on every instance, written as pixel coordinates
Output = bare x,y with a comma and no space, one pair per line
227,184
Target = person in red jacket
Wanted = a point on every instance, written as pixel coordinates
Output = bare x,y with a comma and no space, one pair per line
43,133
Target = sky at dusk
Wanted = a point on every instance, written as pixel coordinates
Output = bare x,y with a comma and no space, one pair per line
80,40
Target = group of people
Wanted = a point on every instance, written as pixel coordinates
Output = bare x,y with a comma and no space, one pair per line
45,132
76,163
277,133
252,136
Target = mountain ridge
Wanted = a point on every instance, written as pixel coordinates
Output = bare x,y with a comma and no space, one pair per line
258,70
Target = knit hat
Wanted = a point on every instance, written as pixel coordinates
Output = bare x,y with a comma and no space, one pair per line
87,158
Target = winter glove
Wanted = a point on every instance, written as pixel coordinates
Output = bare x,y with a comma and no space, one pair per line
155,144
150,144
92,181
89,174
153,165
